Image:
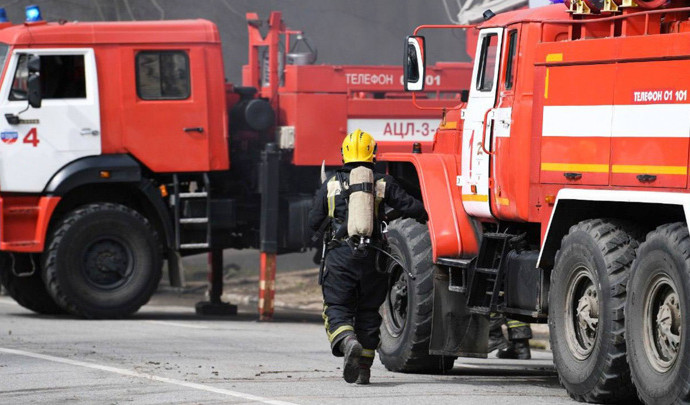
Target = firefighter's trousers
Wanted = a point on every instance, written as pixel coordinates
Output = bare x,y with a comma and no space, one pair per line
353,291
516,329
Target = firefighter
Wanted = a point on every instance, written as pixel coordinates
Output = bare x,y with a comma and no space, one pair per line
519,334
353,290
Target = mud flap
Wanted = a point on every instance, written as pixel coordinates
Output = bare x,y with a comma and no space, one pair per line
454,330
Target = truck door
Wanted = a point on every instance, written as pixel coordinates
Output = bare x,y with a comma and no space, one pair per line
166,105
478,124
66,127
504,171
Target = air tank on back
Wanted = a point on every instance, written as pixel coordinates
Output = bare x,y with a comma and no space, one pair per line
360,219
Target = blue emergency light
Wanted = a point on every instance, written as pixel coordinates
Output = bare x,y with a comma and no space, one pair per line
3,15
33,14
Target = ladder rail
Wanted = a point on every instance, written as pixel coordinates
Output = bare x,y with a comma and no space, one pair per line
486,275
176,209
207,187
185,216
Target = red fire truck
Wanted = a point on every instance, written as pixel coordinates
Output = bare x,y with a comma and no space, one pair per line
121,145
557,193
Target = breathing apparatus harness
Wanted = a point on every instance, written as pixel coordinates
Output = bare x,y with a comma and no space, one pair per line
338,232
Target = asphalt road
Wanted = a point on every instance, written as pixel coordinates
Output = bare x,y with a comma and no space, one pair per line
166,354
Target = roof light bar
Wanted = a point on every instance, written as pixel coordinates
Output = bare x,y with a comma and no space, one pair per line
33,14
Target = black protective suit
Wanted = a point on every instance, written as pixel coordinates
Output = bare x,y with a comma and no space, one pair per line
353,290
516,329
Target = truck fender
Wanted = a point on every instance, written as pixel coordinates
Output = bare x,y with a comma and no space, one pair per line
153,196
646,209
121,169
453,233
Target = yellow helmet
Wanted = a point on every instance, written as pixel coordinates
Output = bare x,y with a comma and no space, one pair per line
359,146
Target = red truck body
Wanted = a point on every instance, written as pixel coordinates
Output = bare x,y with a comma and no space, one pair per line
135,119
565,178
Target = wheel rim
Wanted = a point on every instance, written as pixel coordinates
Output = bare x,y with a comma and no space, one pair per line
397,299
108,263
662,323
582,314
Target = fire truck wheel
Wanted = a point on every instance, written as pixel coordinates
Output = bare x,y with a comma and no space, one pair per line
406,326
103,261
29,291
586,318
658,304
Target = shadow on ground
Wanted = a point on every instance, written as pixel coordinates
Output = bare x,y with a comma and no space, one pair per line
281,316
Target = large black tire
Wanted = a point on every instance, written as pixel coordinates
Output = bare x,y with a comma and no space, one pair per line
406,326
586,311
103,261
29,292
658,305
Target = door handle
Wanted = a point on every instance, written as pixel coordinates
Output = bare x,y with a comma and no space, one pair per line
646,178
89,131
194,129
485,125
572,176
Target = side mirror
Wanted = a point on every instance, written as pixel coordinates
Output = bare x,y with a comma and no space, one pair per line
464,96
34,81
414,65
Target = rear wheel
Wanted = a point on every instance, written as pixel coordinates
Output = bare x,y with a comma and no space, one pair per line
26,286
406,326
103,261
658,351
586,318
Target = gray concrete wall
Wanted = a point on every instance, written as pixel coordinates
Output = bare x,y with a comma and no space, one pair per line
360,32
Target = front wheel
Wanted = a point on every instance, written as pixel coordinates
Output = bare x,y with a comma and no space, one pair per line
406,326
586,318
658,352
103,261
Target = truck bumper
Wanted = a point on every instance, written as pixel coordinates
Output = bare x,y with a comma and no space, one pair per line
24,222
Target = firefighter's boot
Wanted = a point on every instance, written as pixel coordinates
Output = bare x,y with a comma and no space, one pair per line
364,375
496,340
365,362
352,350
517,349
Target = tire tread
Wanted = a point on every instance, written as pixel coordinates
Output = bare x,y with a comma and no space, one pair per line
677,233
618,244
417,357
50,272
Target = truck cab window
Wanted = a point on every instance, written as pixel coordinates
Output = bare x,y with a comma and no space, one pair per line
62,76
162,75
512,56
487,63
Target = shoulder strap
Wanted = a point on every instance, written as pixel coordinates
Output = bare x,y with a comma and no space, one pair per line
344,187
319,234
